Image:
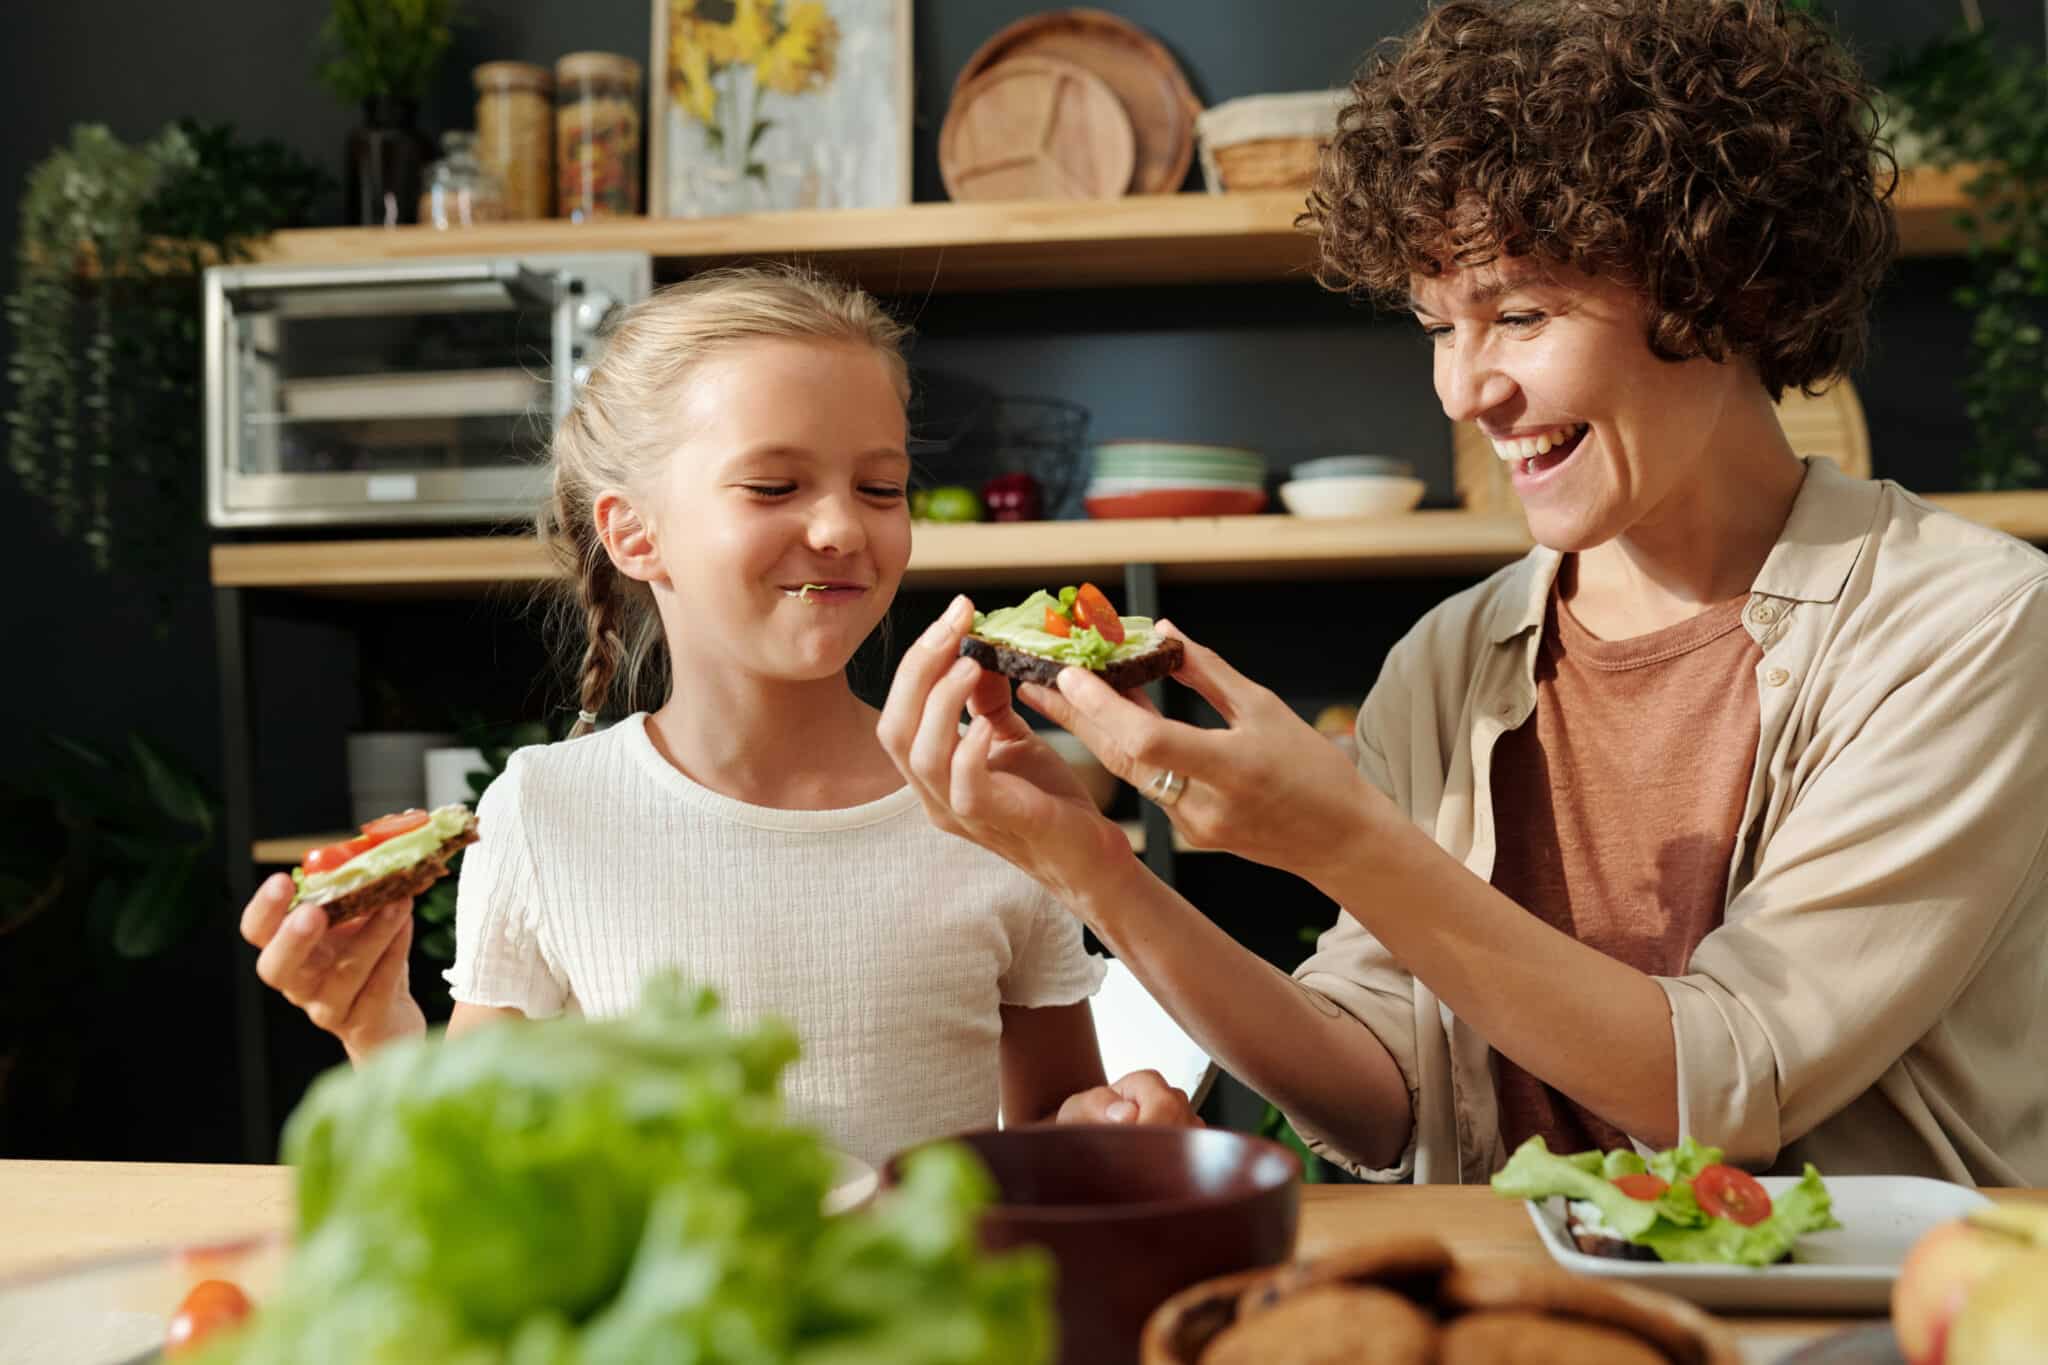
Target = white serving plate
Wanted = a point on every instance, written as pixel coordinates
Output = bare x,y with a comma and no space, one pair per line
1849,1269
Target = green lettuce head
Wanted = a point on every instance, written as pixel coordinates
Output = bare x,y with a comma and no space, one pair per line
577,1192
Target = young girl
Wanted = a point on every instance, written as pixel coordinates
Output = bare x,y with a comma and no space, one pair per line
729,506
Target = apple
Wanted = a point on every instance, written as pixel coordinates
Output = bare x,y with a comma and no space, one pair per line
2005,1319
1944,1271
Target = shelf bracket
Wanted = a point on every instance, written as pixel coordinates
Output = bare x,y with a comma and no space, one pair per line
238,758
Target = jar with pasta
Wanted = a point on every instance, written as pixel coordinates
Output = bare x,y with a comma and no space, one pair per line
515,132
597,136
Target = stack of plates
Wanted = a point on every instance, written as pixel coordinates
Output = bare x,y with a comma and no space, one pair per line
1352,486
1175,479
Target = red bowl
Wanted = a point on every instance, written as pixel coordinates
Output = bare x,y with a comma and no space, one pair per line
1179,502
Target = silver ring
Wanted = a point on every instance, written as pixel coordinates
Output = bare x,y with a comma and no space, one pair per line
1166,788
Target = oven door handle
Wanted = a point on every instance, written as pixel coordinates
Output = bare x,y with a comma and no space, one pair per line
355,276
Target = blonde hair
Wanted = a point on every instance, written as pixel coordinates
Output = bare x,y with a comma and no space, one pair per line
623,426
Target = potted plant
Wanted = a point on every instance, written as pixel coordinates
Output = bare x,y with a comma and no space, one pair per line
380,55
107,859
1983,105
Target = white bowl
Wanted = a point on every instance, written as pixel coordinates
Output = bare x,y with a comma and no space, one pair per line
1352,497
1100,781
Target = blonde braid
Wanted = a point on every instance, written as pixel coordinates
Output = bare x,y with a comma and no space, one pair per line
604,645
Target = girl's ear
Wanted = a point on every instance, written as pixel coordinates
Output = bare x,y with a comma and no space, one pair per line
626,537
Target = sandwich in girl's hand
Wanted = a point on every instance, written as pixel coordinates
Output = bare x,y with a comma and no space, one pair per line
1043,634
394,857
1683,1204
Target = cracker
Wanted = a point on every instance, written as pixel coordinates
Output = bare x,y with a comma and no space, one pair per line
1162,658
407,881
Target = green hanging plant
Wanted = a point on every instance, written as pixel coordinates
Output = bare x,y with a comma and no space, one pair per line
105,320
82,212
1983,104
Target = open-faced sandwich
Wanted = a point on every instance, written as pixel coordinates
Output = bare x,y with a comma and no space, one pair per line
1683,1204
394,857
1044,633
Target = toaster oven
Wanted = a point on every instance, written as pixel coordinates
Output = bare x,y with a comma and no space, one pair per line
416,391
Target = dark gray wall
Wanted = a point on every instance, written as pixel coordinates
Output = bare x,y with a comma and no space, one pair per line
1279,368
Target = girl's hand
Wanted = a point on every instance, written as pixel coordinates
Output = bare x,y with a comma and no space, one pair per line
350,979
1268,787
1141,1097
998,785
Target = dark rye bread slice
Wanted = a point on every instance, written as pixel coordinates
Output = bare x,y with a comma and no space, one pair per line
1613,1248
1161,658
410,880
1600,1244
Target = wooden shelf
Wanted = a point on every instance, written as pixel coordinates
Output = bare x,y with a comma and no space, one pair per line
1139,239
942,556
1020,554
1928,201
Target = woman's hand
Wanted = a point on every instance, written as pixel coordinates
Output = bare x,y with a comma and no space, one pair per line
998,785
350,979
1268,787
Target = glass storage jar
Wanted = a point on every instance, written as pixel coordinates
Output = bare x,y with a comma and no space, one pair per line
515,131
460,192
597,136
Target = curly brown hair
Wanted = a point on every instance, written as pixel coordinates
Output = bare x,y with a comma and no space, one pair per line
1720,156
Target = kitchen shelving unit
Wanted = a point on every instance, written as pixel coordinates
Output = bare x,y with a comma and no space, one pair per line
933,247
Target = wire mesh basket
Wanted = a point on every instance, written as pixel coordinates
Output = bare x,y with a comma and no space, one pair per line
1046,438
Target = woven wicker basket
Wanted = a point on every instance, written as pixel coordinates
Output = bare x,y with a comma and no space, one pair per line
1266,142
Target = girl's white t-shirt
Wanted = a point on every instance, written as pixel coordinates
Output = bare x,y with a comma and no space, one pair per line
887,943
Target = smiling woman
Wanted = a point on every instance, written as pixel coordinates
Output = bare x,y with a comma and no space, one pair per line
1647,837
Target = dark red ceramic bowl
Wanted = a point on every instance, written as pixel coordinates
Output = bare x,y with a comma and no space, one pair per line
1133,1215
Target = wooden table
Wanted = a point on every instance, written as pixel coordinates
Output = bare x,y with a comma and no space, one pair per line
52,1211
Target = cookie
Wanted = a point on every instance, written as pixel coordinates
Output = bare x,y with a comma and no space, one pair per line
1331,1325
1517,1338
1532,1288
1408,1265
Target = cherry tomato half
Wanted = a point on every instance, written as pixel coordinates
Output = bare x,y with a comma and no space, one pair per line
334,855
1092,609
1641,1185
391,826
1725,1192
1056,624
211,1306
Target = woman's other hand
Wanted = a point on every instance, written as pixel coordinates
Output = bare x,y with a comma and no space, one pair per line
1267,787
351,979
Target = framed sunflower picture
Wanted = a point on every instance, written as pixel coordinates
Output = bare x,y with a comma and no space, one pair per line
778,104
